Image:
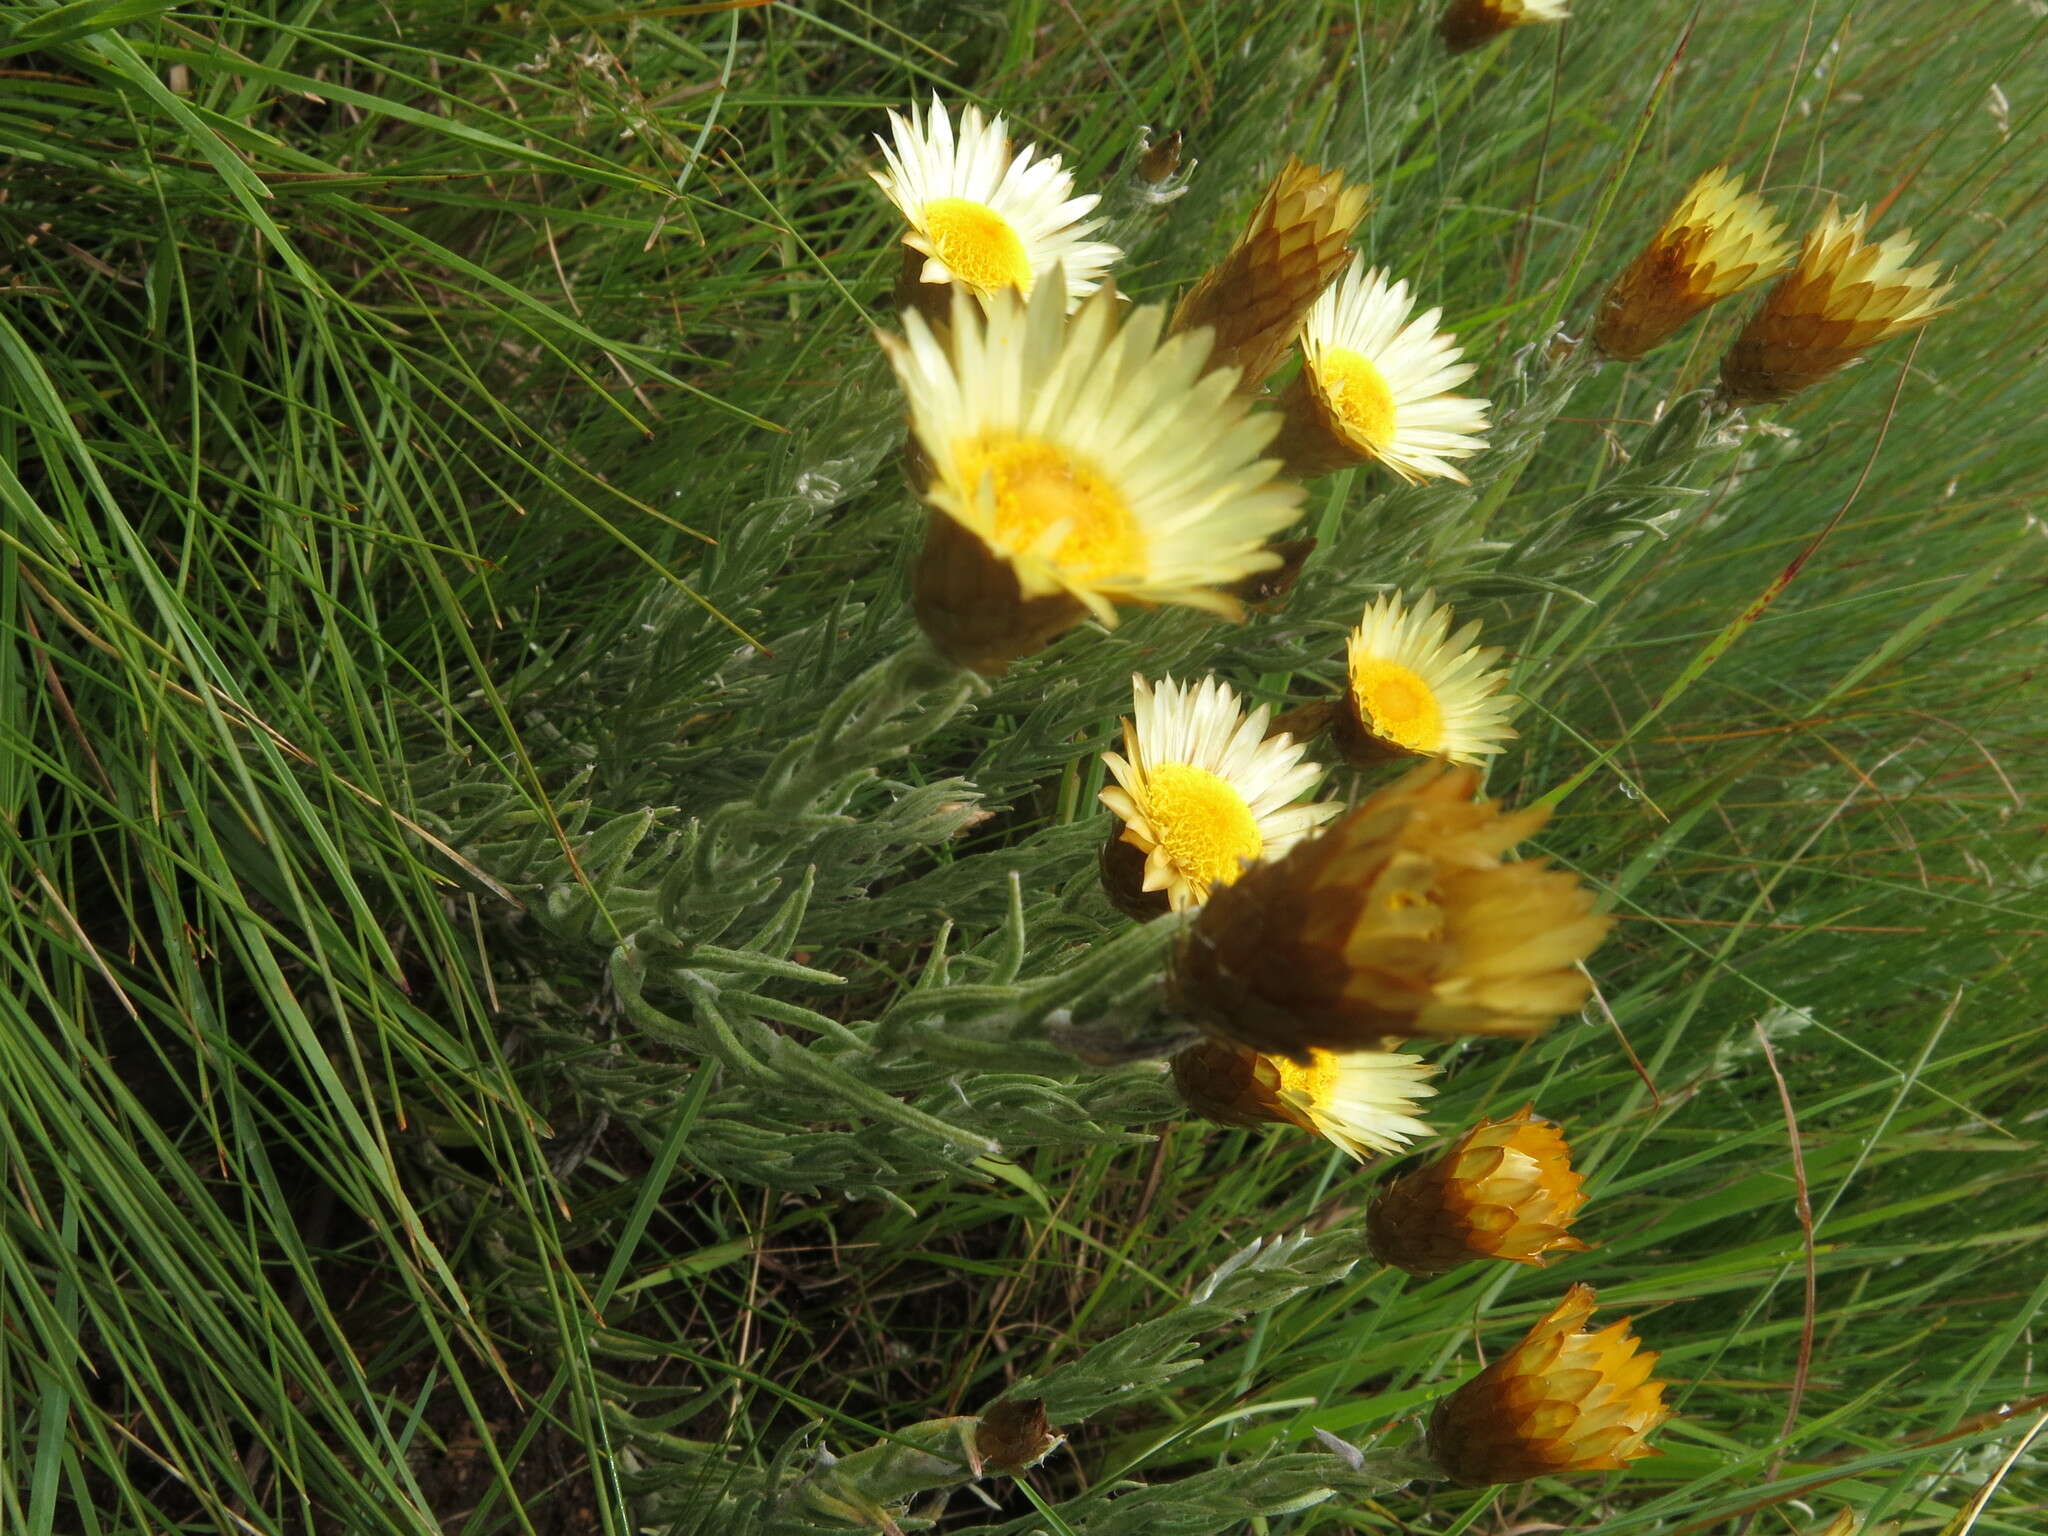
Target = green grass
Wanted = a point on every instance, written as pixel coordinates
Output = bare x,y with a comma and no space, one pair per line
433,441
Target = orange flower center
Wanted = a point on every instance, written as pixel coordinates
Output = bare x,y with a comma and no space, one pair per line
1359,395
1050,504
1398,706
977,244
1202,822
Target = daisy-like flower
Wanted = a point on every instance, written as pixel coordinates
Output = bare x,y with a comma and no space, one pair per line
1719,241
1415,688
1375,385
1844,297
1360,1101
1563,1400
1401,917
1073,464
1468,23
984,216
1203,791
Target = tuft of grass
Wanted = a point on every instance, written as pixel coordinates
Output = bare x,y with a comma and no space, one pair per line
443,459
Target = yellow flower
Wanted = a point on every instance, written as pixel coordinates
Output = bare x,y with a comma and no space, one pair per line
1416,688
1073,464
1844,297
1400,917
1719,241
1505,1190
1359,1101
1202,790
1562,1400
1375,386
1294,245
985,217
1468,23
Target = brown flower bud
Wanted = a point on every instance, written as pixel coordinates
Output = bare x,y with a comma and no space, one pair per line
1401,917
1291,250
1844,297
1161,157
1468,23
1014,1436
1361,1101
1719,241
1562,1400
1505,1190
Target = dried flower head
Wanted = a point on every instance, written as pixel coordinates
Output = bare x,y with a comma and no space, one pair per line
1375,387
1562,1400
1073,463
1401,917
1202,790
1843,297
1719,241
1468,23
1013,1436
1294,245
1360,1101
1415,688
1505,1190
983,216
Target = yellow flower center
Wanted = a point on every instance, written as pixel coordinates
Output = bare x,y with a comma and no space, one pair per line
1315,1082
1202,822
977,244
1359,395
1040,491
1397,705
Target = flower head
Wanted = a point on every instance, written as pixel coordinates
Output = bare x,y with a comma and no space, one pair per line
1400,917
1562,1400
1203,790
1013,1436
1294,244
1468,23
1843,297
1375,386
1074,463
1414,687
1360,1101
1505,1190
1719,241
982,216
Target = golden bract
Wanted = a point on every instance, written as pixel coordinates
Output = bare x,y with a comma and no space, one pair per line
1562,1400
1719,241
1505,1190
1293,247
1844,297
1401,917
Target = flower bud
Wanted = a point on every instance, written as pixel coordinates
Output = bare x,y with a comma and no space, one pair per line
1844,297
1290,251
1360,1101
1468,23
1505,1190
1014,1437
1562,1400
1401,917
1719,241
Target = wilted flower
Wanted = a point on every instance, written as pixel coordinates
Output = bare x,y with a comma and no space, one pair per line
1375,386
1720,241
1414,687
1505,1190
1468,23
1844,297
1562,1400
1360,1101
1073,464
982,216
1013,1436
1203,790
1255,298
1401,917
